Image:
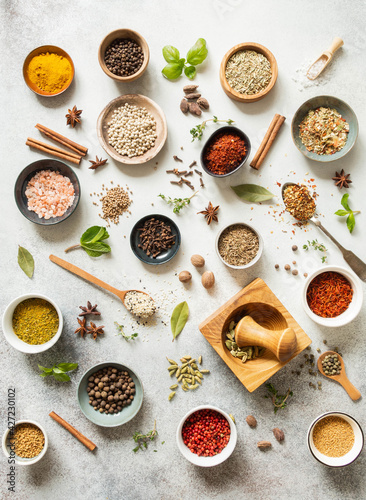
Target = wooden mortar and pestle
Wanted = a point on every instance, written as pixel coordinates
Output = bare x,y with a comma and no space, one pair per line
282,343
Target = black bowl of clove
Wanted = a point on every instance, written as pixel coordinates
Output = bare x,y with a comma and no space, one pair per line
155,239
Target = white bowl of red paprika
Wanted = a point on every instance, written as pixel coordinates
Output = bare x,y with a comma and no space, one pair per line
332,296
213,447
225,151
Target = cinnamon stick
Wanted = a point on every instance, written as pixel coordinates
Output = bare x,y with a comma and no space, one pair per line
86,442
52,150
81,150
267,142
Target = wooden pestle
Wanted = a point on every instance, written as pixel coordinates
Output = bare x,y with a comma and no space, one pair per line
281,342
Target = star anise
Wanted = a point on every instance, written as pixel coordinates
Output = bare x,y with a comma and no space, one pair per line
89,309
73,116
95,330
82,329
210,213
97,163
342,180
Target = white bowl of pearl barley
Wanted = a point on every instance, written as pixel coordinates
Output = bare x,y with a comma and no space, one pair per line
132,129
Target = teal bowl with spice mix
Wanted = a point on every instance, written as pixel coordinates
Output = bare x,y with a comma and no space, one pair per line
317,129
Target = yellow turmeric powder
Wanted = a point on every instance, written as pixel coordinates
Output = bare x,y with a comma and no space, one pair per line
50,72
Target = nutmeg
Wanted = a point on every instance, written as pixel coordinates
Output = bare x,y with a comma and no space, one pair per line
185,276
251,421
208,279
197,260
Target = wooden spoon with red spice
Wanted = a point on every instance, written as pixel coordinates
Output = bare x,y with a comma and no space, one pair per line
341,378
354,262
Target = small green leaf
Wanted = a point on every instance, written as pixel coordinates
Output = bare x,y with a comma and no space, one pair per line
44,374
94,234
190,71
25,261
171,54
344,202
96,249
179,318
172,71
341,213
67,367
252,193
46,370
198,53
61,377
57,370
351,222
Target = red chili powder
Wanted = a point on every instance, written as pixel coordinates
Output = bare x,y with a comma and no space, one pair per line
225,153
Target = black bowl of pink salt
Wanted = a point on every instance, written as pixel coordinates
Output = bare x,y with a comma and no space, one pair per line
226,150
155,239
47,192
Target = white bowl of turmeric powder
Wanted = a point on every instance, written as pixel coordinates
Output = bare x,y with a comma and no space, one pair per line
32,323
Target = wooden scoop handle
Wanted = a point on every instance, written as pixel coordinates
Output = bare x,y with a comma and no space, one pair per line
350,388
86,276
336,44
281,342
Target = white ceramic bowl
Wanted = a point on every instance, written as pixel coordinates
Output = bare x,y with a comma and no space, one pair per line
15,341
260,249
207,461
353,309
349,457
19,460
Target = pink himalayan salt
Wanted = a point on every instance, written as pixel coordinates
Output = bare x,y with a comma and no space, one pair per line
49,194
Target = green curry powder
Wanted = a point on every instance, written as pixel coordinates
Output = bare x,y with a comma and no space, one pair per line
35,321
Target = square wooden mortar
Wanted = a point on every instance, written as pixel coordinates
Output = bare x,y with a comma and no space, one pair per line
257,300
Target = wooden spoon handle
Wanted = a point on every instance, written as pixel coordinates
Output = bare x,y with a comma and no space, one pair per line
336,44
350,388
83,274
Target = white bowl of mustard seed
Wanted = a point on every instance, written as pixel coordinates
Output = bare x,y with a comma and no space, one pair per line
335,439
26,443
239,245
45,319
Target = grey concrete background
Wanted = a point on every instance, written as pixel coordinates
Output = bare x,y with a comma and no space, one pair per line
296,33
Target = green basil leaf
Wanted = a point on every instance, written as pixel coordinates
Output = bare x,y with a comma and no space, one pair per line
67,367
94,234
190,71
173,70
44,374
351,222
96,249
61,377
57,370
198,53
25,261
341,213
46,370
171,54
344,202
179,318
252,192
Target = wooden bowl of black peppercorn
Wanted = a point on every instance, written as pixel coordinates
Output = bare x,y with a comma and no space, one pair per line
124,55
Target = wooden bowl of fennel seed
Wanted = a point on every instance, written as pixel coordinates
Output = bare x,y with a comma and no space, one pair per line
248,72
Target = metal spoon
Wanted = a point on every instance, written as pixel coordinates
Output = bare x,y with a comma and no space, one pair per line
355,263
341,378
121,294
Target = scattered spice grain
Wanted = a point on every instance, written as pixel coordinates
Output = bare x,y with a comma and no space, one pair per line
115,202
238,245
333,436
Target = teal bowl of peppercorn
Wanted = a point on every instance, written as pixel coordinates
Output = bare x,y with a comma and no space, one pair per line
324,128
225,151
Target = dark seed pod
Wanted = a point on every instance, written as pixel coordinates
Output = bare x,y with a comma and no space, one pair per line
184,106
195,109
194,95
203,103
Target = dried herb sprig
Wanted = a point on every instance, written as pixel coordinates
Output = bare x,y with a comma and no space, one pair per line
143,439
121,332
317,246
197,131
278,400
350,213
177,203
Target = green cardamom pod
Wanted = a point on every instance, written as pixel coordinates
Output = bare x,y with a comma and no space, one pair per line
184,370
229,344
184,383
200,360
198,374
232,325
187,358
193,365
171,396
256,351
250,352
185,389
171,361
229,336
192,361
232,418
197,380
177,373
172,367
234,346
205,371
193,387
180,378
173,387
191,370
244,358
184,365
240,354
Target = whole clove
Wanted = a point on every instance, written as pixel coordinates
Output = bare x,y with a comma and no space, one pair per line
176,158
201,183
193,164
198,172
155,237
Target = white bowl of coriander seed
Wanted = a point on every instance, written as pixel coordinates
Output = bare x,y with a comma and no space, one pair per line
239,245
26,443
32,323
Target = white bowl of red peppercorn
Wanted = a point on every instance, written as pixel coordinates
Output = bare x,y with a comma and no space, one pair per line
214,421
349,283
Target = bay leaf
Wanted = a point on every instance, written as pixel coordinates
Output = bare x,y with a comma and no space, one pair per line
25,261
179,318
252,193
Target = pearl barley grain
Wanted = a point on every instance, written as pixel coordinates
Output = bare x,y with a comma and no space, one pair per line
132,130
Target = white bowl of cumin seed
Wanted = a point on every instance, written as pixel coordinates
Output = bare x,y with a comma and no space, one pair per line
245,250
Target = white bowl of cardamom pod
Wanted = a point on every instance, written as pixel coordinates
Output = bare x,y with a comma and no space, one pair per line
32,323
239,245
